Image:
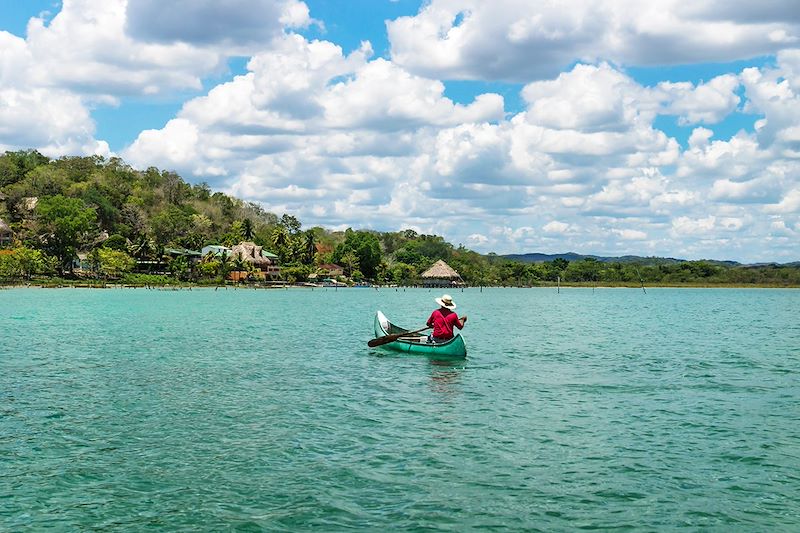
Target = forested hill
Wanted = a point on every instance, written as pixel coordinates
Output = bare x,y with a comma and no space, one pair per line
84,199
122,221
572,256
61,208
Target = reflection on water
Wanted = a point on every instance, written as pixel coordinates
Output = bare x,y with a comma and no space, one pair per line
446,376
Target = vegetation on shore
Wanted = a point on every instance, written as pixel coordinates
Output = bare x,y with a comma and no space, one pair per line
124,221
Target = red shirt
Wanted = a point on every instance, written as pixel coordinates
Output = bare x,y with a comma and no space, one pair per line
443,321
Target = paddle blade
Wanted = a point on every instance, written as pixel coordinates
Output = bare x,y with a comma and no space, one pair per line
380,341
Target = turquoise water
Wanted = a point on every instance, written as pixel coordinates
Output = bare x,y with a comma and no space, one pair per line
248,410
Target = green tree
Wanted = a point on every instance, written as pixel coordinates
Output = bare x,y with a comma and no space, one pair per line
202,191
410,257
280,239
170,225
556,268
116,242
349,261
247,229
94,261
63,224
23,262
98,198
431,246
143,248
365,246
114,263
291,224
587,269
224,267
201,224
309,247
14,165
403,274
293,274
179,267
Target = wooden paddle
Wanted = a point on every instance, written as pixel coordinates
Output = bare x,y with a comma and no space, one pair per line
380,341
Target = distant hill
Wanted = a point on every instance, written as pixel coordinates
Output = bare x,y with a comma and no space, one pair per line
572,256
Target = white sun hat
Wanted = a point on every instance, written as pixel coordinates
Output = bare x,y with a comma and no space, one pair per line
446,301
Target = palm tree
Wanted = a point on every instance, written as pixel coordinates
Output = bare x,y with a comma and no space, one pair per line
310,247
224,265
142,248
247,229
240,264
280,238
349,261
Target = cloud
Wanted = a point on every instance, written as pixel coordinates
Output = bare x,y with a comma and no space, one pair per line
383,96
177,142
707,103
556,227
206,22
682,226
342,140
476,239
775,93
118,48
789,204
83,58
352,140
737,158
588,98
520,40
53,121
759,190
306,112
85,48
631,234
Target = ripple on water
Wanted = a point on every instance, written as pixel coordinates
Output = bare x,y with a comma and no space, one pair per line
215,410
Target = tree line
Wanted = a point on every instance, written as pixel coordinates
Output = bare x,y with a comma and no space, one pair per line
124,221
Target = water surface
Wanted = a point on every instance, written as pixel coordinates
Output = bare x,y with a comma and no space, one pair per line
134,409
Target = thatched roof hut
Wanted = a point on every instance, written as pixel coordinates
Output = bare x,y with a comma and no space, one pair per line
441,275
251,252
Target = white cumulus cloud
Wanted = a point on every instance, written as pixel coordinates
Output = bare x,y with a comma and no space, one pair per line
522,40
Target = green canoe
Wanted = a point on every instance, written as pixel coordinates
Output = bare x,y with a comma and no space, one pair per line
417,344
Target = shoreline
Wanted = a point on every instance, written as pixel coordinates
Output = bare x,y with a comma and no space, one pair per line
286,286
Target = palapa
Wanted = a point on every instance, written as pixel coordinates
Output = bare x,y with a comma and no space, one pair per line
251,252
440,274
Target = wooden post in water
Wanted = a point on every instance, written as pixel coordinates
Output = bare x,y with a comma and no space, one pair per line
640,280
558,285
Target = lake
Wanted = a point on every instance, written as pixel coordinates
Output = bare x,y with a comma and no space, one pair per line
250,410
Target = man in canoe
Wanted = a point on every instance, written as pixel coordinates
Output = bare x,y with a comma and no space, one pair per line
443,320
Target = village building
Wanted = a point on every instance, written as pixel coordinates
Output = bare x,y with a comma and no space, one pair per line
441,275
6,235
29,203
330,270
216,250
265,264
192,256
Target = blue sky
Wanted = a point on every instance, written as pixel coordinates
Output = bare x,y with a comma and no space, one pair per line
658,129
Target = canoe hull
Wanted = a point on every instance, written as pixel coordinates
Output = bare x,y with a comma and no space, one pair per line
417,344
